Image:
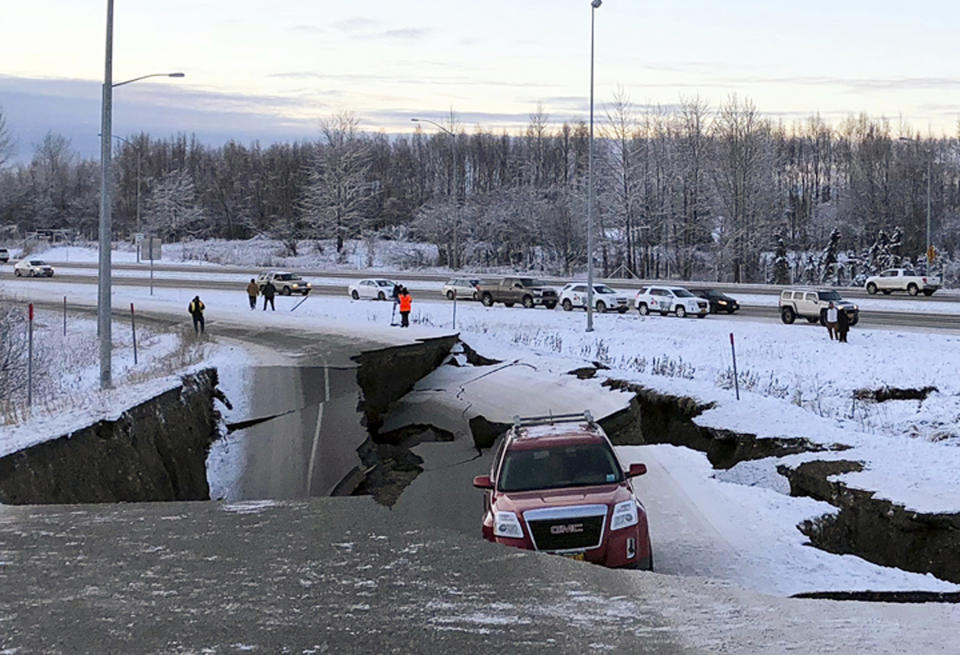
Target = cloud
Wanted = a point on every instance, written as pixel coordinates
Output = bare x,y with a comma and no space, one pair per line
405,34
357,24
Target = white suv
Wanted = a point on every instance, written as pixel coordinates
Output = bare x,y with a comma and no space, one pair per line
574,294
285,282
670,299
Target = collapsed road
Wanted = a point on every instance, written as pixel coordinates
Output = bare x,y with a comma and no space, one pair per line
324,574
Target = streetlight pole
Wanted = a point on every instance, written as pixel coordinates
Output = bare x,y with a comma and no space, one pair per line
106,228
929,255
106,200
453,186
593,10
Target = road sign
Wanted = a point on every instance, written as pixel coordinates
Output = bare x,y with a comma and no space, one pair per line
138,238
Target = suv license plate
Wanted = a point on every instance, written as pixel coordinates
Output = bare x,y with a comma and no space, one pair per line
577,556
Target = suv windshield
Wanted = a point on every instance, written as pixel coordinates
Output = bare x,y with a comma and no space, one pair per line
288,276
602,288
682,293
559,466
829,295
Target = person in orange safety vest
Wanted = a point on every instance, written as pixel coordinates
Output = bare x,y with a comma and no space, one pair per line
406,302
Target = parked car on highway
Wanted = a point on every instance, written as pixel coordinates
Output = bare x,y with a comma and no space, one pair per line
812,304
286,283
513,290
32,268
902,279
718,301
371,288
556,485
464,288
666,300
574,294
4,255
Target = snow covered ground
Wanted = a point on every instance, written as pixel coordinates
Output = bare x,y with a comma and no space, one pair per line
794,382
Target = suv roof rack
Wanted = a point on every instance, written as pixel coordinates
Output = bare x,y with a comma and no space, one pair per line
550,419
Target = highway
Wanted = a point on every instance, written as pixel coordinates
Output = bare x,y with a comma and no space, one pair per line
932,320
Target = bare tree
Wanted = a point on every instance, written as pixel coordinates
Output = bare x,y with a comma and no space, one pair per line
8,146
339,188
743,167
172,211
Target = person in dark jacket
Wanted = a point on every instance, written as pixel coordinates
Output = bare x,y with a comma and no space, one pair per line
269,291
406,303
252,292
196,308
843,326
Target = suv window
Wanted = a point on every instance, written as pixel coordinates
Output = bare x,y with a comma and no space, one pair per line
889,274
579,465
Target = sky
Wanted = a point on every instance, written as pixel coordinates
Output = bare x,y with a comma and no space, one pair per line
271,71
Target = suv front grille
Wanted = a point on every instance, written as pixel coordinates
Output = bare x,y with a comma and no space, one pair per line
567,528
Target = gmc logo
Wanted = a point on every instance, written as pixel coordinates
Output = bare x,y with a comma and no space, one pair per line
571,528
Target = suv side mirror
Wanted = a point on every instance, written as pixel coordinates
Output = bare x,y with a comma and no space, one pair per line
635,470
484,481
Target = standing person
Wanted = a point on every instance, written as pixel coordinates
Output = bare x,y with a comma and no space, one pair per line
252,292
406,302
396,301
269,291
831,321
196,308
843,326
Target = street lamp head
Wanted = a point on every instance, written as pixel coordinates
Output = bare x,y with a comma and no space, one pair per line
596,3
176,75
415,120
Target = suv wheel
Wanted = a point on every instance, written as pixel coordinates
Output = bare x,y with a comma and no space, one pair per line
567,305
643,309
16,272
601,306
355,295
872,289
450,294
286,291
487,300
913,289
680,311
381,296
528,301
787,315
855,319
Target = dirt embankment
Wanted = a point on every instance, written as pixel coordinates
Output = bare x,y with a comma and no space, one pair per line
155,451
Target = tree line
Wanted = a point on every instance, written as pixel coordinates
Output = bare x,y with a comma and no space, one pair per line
686,190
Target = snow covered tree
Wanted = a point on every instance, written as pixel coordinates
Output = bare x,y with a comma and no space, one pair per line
339,189
7,146
781,267
172,211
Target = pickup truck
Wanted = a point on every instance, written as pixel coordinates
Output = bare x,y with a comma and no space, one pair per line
902,279
512,290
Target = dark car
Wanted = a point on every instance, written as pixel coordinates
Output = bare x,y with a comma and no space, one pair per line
719,301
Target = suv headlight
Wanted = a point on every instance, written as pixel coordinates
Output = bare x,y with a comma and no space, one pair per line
506,524
624,515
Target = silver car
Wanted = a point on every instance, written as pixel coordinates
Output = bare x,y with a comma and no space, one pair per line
463,288
32,268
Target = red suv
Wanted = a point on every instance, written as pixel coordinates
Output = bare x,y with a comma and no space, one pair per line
556,485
